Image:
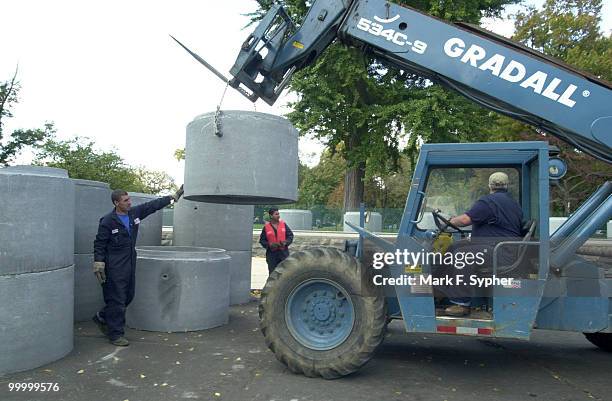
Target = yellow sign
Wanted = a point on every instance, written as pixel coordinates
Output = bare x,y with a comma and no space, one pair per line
416,269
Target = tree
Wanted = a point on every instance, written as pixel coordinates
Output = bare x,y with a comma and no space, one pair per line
320,181
82,160
19,138
353,99
569,31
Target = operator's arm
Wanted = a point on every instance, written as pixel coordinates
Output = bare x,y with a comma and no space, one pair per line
144,209
480,213
461,220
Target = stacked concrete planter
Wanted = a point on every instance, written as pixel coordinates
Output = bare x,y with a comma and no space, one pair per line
228,227
180,289
150,230
297,219
36,266
374,224
92,201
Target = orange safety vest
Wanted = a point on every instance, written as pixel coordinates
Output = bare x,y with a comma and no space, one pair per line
279,236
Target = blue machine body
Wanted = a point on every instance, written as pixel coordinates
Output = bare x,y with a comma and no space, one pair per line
574,295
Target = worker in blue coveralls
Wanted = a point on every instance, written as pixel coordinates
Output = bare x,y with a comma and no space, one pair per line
494,217
115,259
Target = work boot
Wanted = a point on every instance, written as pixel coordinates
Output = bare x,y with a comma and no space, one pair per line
457,310
101,325
120,342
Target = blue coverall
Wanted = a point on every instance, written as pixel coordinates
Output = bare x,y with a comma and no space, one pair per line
116,247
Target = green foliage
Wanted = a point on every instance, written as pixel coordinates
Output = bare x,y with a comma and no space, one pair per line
319,182
82,160
352,99
19,139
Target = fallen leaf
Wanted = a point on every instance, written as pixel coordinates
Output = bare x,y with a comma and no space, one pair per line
178,363
191,349
238,359
217,394
47,370
142,376
81,371
164,384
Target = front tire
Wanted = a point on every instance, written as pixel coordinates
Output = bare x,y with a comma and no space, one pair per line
602,340
317,315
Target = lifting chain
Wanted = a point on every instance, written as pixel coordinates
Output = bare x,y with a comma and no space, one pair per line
218,113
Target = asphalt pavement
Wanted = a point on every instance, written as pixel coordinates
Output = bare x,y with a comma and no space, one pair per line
232,363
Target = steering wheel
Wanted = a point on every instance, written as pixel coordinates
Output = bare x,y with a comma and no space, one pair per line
439,219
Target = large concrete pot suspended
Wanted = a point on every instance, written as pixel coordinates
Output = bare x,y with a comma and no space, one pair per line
252,161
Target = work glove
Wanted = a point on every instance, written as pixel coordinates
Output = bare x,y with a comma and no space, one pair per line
98,269
274,245
177,195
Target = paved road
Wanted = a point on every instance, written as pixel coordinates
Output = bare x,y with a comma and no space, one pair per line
232,363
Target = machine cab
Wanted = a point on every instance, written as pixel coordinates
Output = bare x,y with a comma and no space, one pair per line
447,180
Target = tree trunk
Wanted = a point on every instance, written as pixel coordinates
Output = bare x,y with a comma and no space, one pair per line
353,178
353,187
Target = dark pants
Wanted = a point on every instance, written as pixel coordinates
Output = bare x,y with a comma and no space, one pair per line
463,294
118,293
273,258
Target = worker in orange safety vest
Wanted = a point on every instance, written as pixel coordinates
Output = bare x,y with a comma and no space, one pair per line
276,236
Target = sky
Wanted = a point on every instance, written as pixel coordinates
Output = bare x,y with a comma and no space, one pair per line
109,70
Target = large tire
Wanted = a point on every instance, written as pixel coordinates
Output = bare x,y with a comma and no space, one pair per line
602,340
292,286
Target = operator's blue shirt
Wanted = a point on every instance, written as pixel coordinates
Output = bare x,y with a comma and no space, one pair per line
496,215
125,219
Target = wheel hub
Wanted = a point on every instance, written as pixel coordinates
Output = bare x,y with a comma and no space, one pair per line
319,314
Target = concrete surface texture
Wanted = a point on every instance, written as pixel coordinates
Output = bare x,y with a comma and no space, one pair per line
297,219
36,219
240,277
374,224
180,289
88,297
228,227
92,201
253,162
149,232
36,320
232,363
